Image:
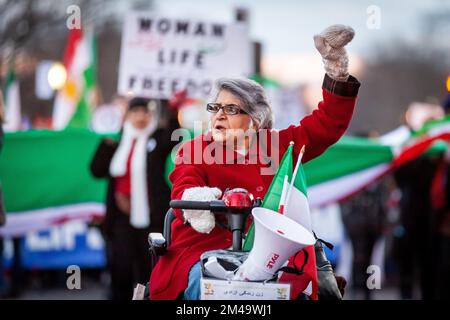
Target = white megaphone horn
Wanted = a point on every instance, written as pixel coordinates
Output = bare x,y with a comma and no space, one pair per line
277,238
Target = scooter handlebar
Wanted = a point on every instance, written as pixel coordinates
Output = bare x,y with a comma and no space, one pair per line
215,205
236,216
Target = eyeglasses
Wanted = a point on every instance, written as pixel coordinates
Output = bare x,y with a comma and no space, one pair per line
228,109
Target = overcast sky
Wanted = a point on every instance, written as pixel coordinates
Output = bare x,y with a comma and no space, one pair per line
286,26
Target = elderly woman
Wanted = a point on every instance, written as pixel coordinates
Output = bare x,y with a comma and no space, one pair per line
200,174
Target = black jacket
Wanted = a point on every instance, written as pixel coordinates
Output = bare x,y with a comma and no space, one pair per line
2,208
158,190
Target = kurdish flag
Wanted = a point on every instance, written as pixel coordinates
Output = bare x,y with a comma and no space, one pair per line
74,102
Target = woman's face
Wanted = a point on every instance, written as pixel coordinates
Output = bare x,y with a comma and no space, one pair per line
228,127
139,117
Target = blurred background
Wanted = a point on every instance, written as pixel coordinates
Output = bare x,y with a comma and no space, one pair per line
69,65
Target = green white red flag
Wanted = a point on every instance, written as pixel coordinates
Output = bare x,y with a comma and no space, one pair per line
34,198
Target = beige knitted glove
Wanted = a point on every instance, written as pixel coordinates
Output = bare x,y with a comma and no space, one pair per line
330,43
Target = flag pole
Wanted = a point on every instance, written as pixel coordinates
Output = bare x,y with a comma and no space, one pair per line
294,175
284,194
285,189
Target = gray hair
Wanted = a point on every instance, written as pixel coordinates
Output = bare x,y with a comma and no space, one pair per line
252,96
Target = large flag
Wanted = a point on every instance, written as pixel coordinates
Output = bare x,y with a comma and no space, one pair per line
74,102
354,163
46,179
13,119
57,182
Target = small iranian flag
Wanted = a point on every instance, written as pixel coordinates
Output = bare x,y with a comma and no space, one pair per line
296,206
274,195
12,102
75,100
290,198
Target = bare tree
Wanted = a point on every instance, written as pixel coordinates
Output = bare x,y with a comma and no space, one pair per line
30,24
396,75
38,29
400,72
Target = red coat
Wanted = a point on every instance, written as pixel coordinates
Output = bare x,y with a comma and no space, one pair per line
317,132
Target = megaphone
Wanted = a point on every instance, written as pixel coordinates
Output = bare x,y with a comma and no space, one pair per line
277,238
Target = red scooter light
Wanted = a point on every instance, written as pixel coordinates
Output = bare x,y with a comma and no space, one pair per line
238,198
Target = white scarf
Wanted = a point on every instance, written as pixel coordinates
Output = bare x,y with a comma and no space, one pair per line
140,210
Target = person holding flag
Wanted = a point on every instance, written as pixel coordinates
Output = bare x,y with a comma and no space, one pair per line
239,151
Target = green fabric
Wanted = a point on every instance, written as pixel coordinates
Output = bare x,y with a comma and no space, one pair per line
437,148
82,115
272,199
42,169
432,124
300,181
347,156
265,82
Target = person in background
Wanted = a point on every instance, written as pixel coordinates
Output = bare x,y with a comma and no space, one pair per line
413,237
16,284
365,219
440,222
2,209
138,196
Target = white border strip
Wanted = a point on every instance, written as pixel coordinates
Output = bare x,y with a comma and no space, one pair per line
342,187
20,223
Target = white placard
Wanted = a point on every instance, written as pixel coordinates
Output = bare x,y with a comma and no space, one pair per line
212,289
107,119
161,55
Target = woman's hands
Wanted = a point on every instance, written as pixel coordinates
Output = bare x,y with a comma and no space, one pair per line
202,221
330,43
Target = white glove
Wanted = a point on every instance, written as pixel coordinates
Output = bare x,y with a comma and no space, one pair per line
330,43
202,221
